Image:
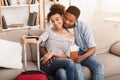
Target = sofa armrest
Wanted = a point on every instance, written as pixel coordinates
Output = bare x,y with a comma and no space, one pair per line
115,48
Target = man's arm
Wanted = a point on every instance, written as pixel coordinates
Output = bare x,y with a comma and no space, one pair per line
43,51
88,53
88,38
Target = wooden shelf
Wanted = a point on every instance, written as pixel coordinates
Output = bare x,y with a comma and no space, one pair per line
25,5
25,27
17,6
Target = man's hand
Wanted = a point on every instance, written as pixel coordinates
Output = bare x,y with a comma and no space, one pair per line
43,51
87,54
79,59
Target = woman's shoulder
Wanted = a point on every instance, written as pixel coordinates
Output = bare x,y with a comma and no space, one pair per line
48,31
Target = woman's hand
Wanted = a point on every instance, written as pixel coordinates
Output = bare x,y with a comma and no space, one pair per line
48,63
23,39
47,57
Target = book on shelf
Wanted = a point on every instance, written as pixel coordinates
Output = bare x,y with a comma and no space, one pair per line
4,23
31,1
5,2
32,19
9,2
0,23
38,19
2,3
28,1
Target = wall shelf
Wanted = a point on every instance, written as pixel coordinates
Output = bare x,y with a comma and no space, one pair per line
20,13
26,27
25,5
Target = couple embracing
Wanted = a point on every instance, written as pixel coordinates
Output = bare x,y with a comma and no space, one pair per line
68,32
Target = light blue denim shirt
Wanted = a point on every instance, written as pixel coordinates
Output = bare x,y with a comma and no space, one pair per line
84,36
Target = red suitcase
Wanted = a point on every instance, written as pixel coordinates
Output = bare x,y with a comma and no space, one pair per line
32,74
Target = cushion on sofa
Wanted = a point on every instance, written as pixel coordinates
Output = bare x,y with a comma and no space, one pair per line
111,64
115,48
36,32
14,35
10,54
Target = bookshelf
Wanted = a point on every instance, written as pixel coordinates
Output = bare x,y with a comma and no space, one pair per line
17,14
0,18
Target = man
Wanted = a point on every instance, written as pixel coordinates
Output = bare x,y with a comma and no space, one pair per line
86,43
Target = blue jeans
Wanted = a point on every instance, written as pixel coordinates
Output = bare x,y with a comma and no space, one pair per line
64,65
61,74
94,64
79,75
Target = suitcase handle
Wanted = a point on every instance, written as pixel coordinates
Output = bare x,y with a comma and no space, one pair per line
25,54
30,37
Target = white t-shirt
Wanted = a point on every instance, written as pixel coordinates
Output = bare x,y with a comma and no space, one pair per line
71,31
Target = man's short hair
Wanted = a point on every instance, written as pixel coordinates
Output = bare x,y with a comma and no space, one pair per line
73,10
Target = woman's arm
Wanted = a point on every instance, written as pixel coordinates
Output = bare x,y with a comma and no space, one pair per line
58,55
49,55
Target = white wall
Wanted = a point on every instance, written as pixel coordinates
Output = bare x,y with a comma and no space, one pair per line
87,8
15,15
106,26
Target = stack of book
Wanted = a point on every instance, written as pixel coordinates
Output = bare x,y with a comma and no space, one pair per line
4,23
5,2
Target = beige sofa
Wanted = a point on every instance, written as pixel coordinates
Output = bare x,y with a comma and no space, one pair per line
110,59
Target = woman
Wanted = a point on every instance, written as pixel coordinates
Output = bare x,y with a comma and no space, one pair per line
58,42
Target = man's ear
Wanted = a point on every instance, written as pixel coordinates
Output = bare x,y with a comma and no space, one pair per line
62,16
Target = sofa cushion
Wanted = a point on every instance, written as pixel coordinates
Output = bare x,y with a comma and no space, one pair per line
14,35
115,48
111,64
87,73
36,32
10,54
